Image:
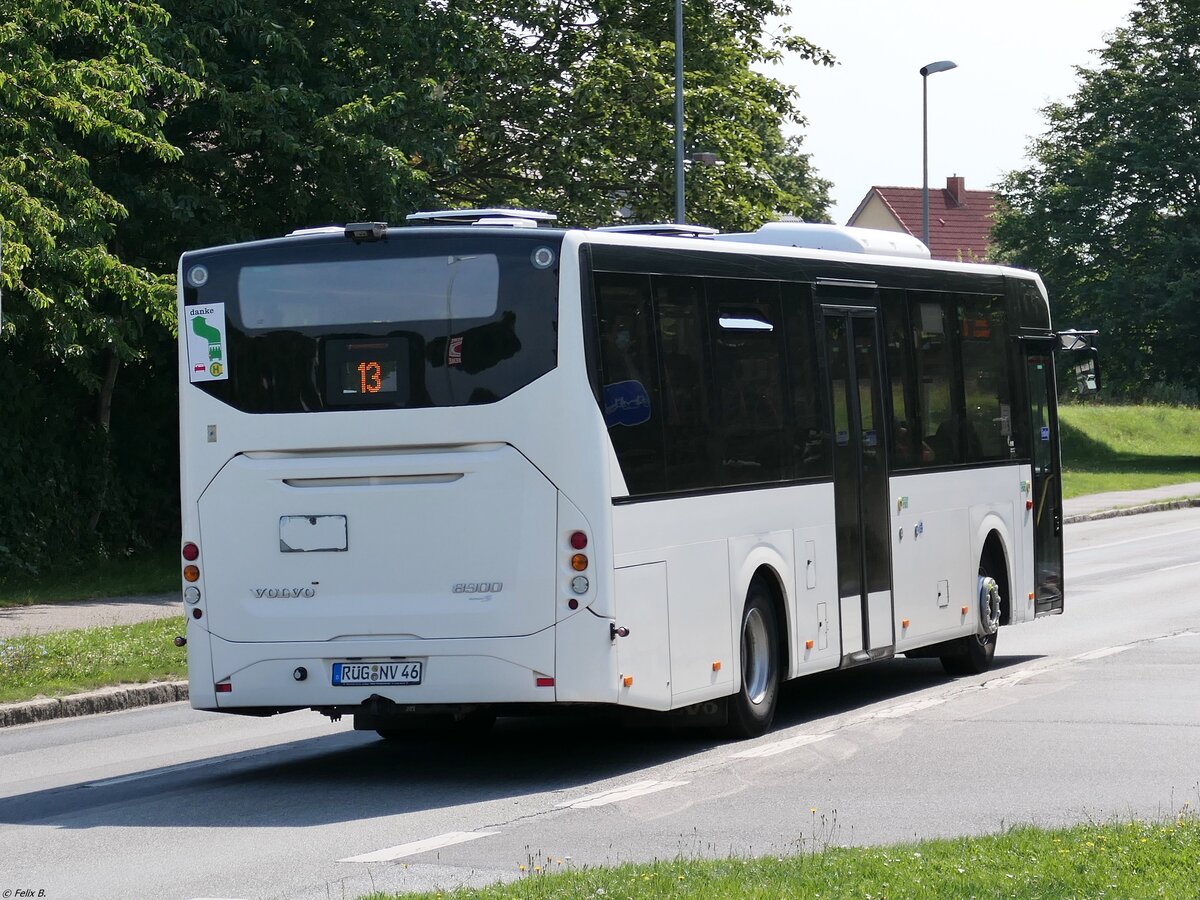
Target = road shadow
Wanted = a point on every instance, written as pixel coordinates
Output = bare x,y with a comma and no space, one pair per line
346,777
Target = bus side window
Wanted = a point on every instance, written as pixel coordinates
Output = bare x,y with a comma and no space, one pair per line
983,334
748,366
629,375
810,427
683,343
907,445
942,438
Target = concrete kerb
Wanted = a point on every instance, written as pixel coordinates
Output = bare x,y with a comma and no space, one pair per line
1182,503
104,700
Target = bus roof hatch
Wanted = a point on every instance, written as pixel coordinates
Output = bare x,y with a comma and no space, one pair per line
513,218
843,238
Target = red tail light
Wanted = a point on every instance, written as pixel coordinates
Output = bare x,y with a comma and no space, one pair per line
191,552
579,540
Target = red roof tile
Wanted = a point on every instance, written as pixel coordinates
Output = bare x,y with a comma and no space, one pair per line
958,230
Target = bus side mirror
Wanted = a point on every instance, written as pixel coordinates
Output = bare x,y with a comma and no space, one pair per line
1087,375
1085,359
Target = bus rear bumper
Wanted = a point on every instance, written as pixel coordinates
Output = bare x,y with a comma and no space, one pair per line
464,671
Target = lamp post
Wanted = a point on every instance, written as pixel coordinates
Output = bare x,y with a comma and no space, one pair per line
932,69
680,212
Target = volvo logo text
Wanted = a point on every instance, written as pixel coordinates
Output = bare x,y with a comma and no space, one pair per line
276,593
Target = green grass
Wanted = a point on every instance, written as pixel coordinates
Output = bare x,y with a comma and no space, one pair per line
1121,448
1134,860
67,662
155,572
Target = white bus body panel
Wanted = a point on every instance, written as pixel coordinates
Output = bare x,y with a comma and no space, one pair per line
940,522
450,544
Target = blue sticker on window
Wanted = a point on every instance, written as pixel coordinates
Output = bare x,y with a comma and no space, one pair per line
1045,432
626,403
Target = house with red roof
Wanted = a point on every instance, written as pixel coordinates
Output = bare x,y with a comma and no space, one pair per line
960,221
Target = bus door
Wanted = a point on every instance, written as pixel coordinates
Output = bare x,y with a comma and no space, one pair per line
1047,483
860,484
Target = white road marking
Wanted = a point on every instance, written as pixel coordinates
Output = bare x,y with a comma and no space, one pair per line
904,709
449,839
780,746
1149,537
616,795
1102,652
1180,566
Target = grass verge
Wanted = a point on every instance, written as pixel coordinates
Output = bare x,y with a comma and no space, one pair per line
67,662
155,572
1123,448
1133,860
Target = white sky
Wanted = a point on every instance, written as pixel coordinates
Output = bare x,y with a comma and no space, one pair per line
864,115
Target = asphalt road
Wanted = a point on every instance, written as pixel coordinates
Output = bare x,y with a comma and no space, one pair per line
1090,716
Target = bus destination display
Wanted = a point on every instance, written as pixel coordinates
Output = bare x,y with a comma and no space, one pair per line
364,371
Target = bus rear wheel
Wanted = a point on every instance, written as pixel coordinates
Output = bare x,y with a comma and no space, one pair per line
752,708
973,654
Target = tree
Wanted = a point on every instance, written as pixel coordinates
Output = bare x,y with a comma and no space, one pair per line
1109,210
315,112
77,82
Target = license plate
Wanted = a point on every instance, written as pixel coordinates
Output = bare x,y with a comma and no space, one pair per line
360,673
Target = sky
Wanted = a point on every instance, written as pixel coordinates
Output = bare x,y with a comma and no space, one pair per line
864,115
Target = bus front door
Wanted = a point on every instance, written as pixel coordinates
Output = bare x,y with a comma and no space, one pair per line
860,484
1047,484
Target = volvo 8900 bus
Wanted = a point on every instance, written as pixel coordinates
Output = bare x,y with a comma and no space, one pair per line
480,465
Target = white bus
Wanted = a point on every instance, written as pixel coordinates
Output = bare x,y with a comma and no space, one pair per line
482,465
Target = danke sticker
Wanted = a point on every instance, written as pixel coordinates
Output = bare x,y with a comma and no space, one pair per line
208,359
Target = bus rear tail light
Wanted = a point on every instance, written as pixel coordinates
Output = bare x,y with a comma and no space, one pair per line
191,573
224,687
191,552
579,540
579,562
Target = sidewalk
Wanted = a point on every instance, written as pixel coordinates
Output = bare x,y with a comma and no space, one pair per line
1124,503
21,620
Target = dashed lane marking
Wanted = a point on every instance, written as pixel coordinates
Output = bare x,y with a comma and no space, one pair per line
1102,652
780,746
616,795
449,839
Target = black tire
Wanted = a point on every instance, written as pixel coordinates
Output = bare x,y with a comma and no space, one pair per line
752,708
973,654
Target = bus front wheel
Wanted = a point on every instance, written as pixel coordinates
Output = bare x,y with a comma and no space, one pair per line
973,654
752,708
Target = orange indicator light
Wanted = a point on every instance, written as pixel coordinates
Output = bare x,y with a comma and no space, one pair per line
627,681
579,562
808,645
716,665
1031,595
964,610
904,623
191,573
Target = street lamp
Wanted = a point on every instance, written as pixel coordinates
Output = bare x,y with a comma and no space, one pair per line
932,69
680,213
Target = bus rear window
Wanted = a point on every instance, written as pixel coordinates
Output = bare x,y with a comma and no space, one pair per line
431,318
352,291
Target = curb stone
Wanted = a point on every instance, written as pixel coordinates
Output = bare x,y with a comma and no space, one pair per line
1184,503
104,700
